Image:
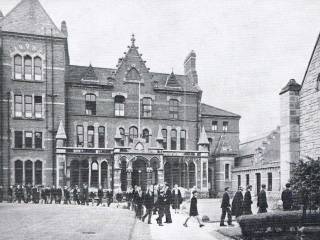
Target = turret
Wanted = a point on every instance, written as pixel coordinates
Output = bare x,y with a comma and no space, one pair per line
190,68
61,136
203,142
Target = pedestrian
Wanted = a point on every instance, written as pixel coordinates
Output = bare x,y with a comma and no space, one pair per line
19,193
177,198
59,195
167,201
118,197
92,196
139,202
161,205
247,201
66,195
237,203
75,194
225,206
1,193
109,194
148,203
155,198
262,203
100,196
53,194
85,195
35,194
193,209
28,190
10,194
287,199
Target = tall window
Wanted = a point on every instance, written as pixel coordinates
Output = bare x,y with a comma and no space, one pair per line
38,172
269,181
119,106
104,174
225,126
27,68
18,172
28,139
38,139
239,180
94,174
18,139
192,175
146,107
28,106
101,137
173,108
90,137
133,133
165,140
28,171
79,136
227,172
37,69
247,179
17,67
17,105
204,174
173,139
38,106
133,74
90,104
183,140
145,135
123,136
214,125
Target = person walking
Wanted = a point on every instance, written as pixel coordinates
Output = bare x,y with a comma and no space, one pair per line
53,194
148,203
66,195
177,198
139,202
19,193
167,201
262,203
225,206
287,199
247,201
193,209
59,195
75,194
100,196
10,194
237,203
109,197
161,205
85,195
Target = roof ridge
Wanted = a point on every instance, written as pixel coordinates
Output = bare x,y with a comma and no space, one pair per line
221,109
83,66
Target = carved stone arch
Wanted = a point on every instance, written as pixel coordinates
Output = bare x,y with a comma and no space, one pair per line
133,74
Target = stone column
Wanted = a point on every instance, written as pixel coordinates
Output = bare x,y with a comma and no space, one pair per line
160,176
129,177
117,182
149,176
99,173
89,180
96,137
34,173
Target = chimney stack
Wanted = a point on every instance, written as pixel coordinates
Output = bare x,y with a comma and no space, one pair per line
64,28
190,68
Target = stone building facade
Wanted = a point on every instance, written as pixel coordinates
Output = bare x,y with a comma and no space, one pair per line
64,124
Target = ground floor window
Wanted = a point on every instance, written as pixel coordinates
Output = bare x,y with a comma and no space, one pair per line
123,175
94,174
104,174
28,168
269,181
239,181
38,172
247,179
192,175
18,170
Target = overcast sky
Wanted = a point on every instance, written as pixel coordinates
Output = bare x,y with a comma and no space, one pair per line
246,50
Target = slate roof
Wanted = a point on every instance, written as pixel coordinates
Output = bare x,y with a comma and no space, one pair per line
29,17
214,111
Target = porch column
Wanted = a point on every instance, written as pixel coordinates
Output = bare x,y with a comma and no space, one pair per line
149,176
33,173
23,174
160,176
117,182
99,173
129,177
89,180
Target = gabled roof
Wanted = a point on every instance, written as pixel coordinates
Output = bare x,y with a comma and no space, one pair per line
172,81
213,111
29,17
90,75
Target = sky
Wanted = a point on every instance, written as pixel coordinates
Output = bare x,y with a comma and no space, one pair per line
246,50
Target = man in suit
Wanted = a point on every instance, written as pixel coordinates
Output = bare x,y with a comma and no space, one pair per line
225,206
237,203
167,203
287,198
262,200
148,203
247,201
100,196
160,204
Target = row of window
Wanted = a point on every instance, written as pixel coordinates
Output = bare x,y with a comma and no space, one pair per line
27,68
90,136
28,139
225,125
32,172
119,106
27,106
269,186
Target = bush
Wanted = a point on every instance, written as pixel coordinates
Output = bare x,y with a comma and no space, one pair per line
284,220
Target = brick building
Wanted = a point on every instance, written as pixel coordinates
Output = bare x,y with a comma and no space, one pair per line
64,124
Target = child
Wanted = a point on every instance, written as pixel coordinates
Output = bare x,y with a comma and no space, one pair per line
193,209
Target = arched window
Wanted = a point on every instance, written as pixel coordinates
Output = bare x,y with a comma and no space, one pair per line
165,141
145,135
74,173
184,175
173,108
28,173
133,74
37,69
101,136
146,107
123,174
154,163
133,133
94,174
17,67
123,137
90,137
90,104
104,174
18,168
27,68
192,175
84,172
183,140
38,172
119,106
173,139
79,136
168,173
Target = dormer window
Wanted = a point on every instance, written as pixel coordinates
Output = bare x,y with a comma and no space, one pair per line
27,68
90,104
17,67
119,106
133,74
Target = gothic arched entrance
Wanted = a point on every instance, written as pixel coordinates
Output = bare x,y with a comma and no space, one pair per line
139,172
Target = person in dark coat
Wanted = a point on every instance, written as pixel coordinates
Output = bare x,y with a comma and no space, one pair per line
1,193
237,203
167,201
139,202
177,198
100,196
66,195
10,194
119,198
225,206
35,195
85,195
262,203
75,194
148,203
53,194
161,205
109,196
59,195
193,209
19,193
287,199
247,201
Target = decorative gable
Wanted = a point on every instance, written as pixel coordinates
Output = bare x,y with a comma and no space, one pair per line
89,75
172,81
133,75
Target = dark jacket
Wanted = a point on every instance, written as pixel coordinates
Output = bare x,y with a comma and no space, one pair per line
148,200
247,203
193,207
100,193
176,198
262,200
225,200
66,193
287,199
168,197
237,204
